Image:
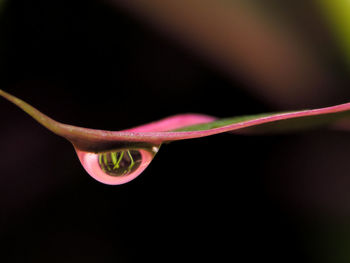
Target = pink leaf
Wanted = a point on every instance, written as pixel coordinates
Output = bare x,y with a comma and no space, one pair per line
116,157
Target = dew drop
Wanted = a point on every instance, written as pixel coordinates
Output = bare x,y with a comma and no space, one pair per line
117,167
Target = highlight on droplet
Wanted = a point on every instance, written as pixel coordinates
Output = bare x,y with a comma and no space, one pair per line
117,167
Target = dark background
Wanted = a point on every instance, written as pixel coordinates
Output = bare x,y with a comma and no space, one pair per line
225,197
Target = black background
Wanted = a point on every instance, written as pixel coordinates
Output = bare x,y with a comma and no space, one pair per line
224,197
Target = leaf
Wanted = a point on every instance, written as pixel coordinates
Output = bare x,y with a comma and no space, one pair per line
117,157
185,126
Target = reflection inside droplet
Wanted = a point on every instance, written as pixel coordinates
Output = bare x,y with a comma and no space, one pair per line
120,163
117,167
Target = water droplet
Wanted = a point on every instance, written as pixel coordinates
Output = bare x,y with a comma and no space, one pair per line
117,167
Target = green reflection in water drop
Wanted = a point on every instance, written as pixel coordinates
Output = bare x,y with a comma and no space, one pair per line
120,163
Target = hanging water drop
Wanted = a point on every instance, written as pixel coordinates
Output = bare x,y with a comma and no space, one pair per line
117,167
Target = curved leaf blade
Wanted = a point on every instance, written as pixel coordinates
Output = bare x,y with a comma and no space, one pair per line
185,126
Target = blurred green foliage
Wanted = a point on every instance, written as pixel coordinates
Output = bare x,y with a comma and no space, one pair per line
337,12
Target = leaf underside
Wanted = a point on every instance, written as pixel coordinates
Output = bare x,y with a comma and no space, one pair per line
188,126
